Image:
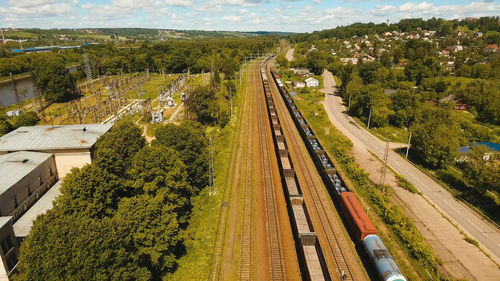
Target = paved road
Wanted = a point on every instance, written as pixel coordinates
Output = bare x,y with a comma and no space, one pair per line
476,226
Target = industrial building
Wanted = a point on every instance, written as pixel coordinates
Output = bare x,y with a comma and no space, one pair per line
9,250
70,144
30,175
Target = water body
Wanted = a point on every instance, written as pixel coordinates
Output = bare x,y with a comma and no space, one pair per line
25,89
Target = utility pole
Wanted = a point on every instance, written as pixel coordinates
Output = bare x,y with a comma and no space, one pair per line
231,103
384,167
408,146
369,119
211,168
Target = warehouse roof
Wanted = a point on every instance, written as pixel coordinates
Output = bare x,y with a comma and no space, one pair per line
42,138
17,165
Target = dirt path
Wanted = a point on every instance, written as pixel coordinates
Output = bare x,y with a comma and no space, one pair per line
289,54
460,258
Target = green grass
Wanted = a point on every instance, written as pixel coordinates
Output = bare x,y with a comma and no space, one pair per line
394,134
201,234
405,184
311,95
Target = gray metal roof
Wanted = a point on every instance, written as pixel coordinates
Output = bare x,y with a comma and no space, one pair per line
23,225
4,221
43,138
15,166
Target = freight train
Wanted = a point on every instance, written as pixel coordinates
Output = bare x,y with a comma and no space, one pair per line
308,250
358,223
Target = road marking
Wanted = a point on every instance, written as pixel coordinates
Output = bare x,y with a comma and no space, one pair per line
444,201
474,225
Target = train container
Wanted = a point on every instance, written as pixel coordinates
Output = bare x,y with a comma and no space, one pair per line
277,130
382,260
280,142
356,217
300,215
285,160
291,183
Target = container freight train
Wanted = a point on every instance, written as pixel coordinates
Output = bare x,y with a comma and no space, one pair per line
358,222
309,253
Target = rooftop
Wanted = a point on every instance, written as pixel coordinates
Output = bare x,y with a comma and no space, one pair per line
23,225
17,165
53,138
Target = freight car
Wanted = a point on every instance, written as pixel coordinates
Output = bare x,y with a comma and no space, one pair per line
358,222
309,253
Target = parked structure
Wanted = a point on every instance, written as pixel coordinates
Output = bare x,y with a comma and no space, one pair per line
298,84
70,144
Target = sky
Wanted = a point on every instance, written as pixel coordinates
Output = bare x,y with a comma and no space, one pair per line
231,15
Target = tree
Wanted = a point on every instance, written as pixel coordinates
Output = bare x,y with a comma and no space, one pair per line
205,104
481,171
91,191
5,126
54,80
154,229
78,248
28,118
435,141
158,172
114,150
385,59
190,141
316,62
397,54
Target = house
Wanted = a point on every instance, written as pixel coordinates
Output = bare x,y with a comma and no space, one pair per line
312,82
459,105
71,144
298,84
492,48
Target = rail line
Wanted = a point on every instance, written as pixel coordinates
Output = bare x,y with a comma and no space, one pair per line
277,267
310,188
245,267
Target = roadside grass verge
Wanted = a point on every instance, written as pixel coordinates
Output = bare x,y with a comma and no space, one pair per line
402,228
405,184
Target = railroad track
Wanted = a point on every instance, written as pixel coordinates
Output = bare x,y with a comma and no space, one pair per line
276,260
331,244
245,266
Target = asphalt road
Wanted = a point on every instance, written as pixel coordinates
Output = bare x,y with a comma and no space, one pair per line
474,224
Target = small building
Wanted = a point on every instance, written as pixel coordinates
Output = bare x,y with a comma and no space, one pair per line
9,250
459,105
12,113
312,82
298,84
71,144
30,175
300,71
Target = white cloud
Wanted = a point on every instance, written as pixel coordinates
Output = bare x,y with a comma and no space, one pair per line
232,18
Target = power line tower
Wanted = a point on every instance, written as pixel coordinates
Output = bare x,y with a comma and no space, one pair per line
211,168
87,65
384,167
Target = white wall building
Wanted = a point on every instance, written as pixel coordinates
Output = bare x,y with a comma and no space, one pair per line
312,82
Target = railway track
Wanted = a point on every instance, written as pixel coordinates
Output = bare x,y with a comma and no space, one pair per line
245,266
310,188
276,259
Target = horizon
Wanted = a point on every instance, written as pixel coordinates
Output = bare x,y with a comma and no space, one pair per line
295,16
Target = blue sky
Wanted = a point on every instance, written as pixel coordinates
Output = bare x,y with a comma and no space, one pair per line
240,15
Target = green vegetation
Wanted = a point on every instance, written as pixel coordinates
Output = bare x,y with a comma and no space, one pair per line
402,227
404,183
126,213
7,124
